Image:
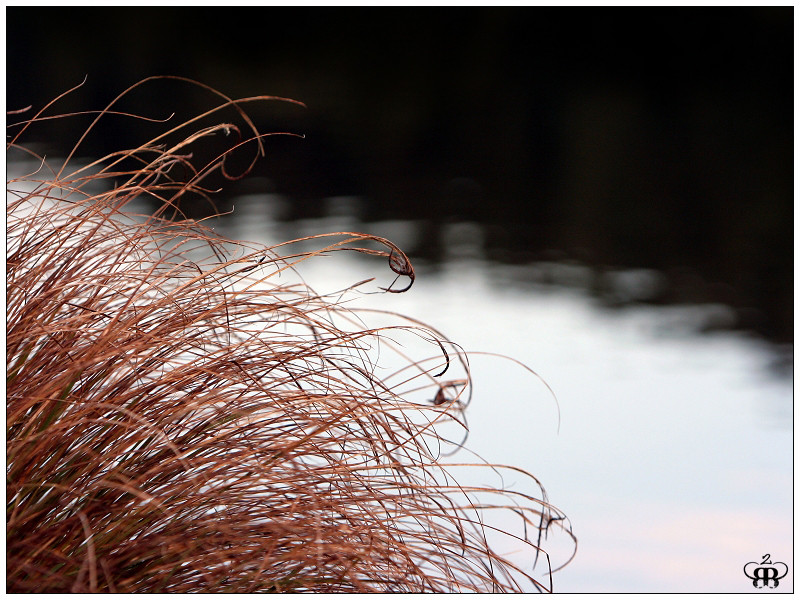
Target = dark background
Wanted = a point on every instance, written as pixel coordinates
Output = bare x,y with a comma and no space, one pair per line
612,137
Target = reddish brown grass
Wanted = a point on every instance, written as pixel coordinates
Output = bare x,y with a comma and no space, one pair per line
182,417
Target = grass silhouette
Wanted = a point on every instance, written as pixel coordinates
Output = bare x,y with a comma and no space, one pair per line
183,416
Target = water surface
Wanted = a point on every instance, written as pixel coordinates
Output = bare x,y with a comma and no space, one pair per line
669,449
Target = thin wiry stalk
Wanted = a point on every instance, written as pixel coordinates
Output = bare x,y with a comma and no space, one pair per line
182,417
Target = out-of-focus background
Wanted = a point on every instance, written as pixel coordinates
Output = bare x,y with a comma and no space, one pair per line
605,194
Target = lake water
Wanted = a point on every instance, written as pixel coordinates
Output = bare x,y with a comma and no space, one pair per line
673,457
670,451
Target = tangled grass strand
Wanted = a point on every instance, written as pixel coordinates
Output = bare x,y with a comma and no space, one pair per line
181,417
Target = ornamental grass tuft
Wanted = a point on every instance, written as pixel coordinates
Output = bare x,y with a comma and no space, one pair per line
185,414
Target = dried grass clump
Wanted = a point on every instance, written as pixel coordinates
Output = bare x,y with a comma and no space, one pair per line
182,417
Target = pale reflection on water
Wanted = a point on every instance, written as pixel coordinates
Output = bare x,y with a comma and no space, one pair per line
673,457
